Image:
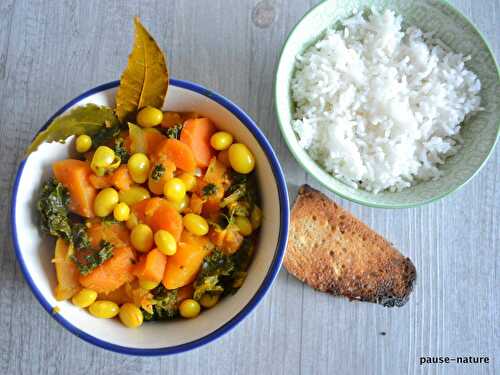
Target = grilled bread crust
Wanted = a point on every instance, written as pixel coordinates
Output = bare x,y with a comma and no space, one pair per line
332,251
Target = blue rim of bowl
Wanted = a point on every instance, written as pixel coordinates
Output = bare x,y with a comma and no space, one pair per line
264,287
365,202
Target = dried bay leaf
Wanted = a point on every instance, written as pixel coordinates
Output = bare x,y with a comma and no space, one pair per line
143,83
88,119
145,79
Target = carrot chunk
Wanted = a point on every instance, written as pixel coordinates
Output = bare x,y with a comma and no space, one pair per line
117,234
196,204
183,266
178,152
196,134
100,182
113,273
151,267
158,213
155,183
121,178
153,138
74,175
216,172
171,119
119,296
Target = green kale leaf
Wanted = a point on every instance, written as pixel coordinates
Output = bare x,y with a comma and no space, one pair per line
165,304
223,274
87,263
109,220
241,260
53,209
55,220
244,185
215,266
174,132
209,190
243,256
207,284
241,196
106,134
121,151
158,172
237,179
79,236
238,192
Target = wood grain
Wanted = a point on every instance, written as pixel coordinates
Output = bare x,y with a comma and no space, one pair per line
50,51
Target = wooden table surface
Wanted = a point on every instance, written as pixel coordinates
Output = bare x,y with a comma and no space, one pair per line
50,51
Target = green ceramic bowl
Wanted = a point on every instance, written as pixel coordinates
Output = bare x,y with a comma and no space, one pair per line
480,132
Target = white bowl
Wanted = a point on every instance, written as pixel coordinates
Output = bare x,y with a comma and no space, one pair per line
35,250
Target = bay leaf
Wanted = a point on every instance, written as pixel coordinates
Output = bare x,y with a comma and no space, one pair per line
144,81
88,119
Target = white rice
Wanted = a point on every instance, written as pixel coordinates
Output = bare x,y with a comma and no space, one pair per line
379,107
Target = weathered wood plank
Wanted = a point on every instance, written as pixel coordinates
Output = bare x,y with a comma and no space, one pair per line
52,51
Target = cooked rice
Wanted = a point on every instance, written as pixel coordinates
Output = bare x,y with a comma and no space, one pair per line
378,107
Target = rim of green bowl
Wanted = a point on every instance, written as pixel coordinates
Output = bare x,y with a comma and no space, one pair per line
365,202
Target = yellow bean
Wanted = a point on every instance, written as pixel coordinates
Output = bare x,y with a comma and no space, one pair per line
132,221
83,143
221,140
121,212
134,194
130,315
180,206
105,202
141,237
149,117
209,300
244,225
104,309
103,158
189,308
165,242
196,224
174,189
138,167
84,298
241,158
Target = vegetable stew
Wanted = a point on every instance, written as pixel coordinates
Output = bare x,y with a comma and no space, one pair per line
158,216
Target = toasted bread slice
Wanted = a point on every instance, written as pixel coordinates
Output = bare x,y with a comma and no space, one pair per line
332,251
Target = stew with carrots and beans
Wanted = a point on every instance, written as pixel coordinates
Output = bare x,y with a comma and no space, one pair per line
153,221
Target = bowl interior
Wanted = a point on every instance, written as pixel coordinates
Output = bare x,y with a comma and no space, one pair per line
479,132
36,250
